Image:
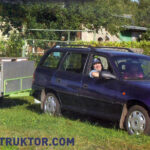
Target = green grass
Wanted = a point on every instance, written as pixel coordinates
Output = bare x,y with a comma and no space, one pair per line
19,117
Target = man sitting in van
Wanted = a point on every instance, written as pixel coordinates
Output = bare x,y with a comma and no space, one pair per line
97,68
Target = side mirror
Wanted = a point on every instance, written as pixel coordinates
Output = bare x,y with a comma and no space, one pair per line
107,75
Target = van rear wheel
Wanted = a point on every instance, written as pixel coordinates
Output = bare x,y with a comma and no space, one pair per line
51,105
137,120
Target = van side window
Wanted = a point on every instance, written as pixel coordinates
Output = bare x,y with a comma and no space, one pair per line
74,62
105,64
104,61
53,59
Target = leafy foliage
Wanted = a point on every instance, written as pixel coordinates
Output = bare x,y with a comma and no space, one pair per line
12,47
146,35
69,15
143,13
145,45
91,14
72,15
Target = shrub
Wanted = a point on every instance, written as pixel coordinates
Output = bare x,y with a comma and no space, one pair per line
14,46
145,45
2,48
34,57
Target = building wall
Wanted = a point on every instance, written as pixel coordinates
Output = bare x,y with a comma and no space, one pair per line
130,35
102,35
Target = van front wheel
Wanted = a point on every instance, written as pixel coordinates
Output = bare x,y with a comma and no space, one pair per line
137,120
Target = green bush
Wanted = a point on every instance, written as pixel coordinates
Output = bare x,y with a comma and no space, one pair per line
11,47
34,57
146,35
145,45
14,46
2,47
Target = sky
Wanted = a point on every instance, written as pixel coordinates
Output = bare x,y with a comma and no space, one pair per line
135,0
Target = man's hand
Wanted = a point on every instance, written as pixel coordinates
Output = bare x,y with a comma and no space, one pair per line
95,74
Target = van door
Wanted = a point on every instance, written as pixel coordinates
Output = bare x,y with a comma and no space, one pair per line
100,96
47,69
68,80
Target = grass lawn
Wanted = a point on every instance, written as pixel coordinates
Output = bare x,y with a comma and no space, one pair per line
20,117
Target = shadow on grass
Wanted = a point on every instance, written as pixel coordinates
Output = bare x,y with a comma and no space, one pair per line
35,108
90,119
10,102
77,116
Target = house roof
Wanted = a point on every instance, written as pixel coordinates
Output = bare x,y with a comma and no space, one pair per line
135,28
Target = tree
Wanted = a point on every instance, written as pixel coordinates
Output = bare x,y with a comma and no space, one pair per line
92,14
143,13
70,15
146,35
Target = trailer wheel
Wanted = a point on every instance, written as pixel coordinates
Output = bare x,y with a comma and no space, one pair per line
51,105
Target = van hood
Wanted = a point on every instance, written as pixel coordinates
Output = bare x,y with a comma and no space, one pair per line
138,89
140,83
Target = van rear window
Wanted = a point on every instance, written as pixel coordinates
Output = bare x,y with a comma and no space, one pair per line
53,59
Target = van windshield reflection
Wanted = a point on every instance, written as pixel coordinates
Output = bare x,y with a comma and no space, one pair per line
133,68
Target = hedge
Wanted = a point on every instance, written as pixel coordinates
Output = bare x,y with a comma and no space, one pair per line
145,45
13,46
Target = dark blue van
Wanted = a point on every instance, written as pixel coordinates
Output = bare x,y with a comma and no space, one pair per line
121,93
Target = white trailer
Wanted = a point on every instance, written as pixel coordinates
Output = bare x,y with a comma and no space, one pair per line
15,75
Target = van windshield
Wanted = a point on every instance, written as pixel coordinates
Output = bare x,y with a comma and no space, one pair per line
133,68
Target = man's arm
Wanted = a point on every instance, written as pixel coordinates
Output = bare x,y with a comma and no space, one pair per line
94,74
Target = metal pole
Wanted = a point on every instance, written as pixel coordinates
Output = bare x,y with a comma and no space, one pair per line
24,48
94,35
68,37
33,48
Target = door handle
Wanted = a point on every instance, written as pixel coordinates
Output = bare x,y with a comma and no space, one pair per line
58,80
85,86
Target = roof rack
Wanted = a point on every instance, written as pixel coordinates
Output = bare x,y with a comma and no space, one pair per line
72,45
119,48
91,47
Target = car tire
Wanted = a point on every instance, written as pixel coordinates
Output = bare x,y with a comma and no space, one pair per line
51,105
137,120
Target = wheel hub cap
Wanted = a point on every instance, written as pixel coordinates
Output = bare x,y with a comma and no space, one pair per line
136,122
50,105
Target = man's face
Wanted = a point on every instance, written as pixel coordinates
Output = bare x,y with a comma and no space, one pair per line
97,66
